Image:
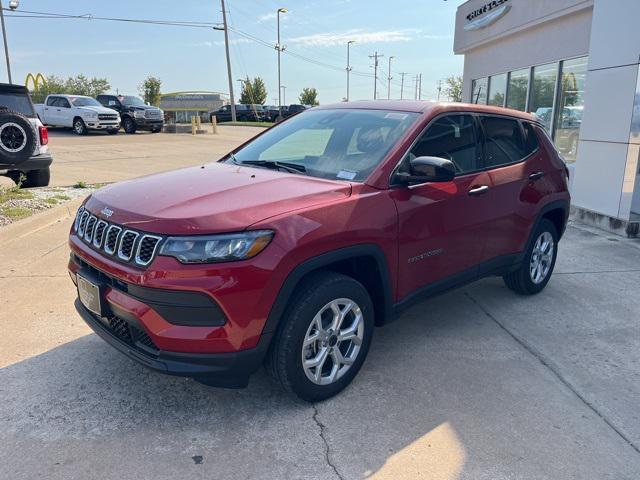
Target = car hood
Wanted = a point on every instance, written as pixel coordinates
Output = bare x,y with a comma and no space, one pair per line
96,109
213,198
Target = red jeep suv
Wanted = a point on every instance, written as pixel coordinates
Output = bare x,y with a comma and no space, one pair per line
290,249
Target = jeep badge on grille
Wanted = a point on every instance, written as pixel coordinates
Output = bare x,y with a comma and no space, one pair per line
107,212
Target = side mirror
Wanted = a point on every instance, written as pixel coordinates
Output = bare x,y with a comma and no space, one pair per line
428,169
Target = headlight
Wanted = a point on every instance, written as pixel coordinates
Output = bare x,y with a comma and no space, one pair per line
91,115
217,248
138,113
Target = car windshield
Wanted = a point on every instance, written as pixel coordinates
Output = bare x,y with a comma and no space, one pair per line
84,102
129,100
342,144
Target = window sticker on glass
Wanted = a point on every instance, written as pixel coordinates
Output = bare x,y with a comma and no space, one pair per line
457,131
396,116
346,174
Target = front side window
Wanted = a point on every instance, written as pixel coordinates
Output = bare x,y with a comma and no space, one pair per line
497,89
63,102
452,137
503,142
339,144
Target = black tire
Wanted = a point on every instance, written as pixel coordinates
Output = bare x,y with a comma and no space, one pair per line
129,125
37,178
113,131
17,138
79,127
520,281
284,360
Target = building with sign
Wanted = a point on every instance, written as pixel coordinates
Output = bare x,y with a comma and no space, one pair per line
575,64
181,106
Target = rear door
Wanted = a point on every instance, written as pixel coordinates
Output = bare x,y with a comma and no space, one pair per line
515,164
442,226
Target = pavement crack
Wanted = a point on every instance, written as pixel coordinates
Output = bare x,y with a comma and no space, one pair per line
327,449
555,371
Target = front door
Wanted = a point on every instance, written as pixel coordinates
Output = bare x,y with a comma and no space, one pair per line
442,229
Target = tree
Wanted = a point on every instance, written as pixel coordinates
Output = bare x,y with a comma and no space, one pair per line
309,96
149,89
253,91
453,88
78,85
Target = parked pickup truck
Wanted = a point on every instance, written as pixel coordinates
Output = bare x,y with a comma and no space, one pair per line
136,115
79,113
24,154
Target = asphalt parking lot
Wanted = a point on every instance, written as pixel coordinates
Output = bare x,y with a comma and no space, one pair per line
475,384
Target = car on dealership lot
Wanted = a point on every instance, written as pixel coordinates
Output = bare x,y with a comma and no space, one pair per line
272,112
294,109
24,151
244,113
291,248
134,112
78,112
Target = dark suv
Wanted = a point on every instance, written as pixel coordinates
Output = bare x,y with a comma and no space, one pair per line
134,113
244,113
293,247
24,151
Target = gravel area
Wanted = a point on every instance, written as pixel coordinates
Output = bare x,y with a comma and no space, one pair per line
16,204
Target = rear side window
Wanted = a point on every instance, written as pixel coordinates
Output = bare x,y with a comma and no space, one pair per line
18,103
503,142
530,139
452,137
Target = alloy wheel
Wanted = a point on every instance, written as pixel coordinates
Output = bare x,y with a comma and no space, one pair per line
541,257
13,137
333,341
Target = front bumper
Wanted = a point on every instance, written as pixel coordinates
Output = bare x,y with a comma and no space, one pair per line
148,124
103,124
229,370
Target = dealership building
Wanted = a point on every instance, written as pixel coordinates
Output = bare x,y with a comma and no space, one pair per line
575,64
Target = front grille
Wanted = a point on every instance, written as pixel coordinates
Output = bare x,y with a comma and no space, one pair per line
132,335
152,114
107,116
121,328
125,245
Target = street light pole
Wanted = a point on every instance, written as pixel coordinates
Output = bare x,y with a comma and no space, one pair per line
389,77
280,49
226,47
284,94
4,37
402,74
348,66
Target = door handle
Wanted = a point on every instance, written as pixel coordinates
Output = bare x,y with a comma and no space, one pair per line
536,176
478,190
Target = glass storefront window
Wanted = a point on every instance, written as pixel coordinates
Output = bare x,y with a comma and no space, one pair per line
497,89
517,91
479,91
543,92
568,118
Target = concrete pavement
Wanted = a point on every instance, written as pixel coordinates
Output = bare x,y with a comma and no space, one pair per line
475,384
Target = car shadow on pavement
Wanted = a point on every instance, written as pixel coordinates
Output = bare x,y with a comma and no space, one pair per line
445,393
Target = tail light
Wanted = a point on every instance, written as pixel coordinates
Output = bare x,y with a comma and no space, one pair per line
44,135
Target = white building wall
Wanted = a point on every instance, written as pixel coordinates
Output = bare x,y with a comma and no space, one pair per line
606,173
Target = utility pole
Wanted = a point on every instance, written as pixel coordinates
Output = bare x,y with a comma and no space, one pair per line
415,95
420,87
439,88
4,37
348,66
375,56
402,74
226,48
280,49
389,77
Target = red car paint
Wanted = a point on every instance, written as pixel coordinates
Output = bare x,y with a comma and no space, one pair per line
313,216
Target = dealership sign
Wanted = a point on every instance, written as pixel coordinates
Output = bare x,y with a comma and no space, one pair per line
488,14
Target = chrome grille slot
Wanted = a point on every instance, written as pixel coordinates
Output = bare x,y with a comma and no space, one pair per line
98,235
83,223
111,241
127,243
91,225
76,223
147,249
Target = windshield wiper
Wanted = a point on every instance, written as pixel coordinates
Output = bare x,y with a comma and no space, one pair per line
233,158
290,167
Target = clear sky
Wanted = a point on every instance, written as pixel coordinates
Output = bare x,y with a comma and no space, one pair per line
418,33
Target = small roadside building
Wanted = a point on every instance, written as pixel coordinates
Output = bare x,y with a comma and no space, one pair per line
179,107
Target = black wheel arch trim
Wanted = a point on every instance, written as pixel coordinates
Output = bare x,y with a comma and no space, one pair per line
318,263
554,205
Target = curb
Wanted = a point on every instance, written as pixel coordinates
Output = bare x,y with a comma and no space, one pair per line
38,221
